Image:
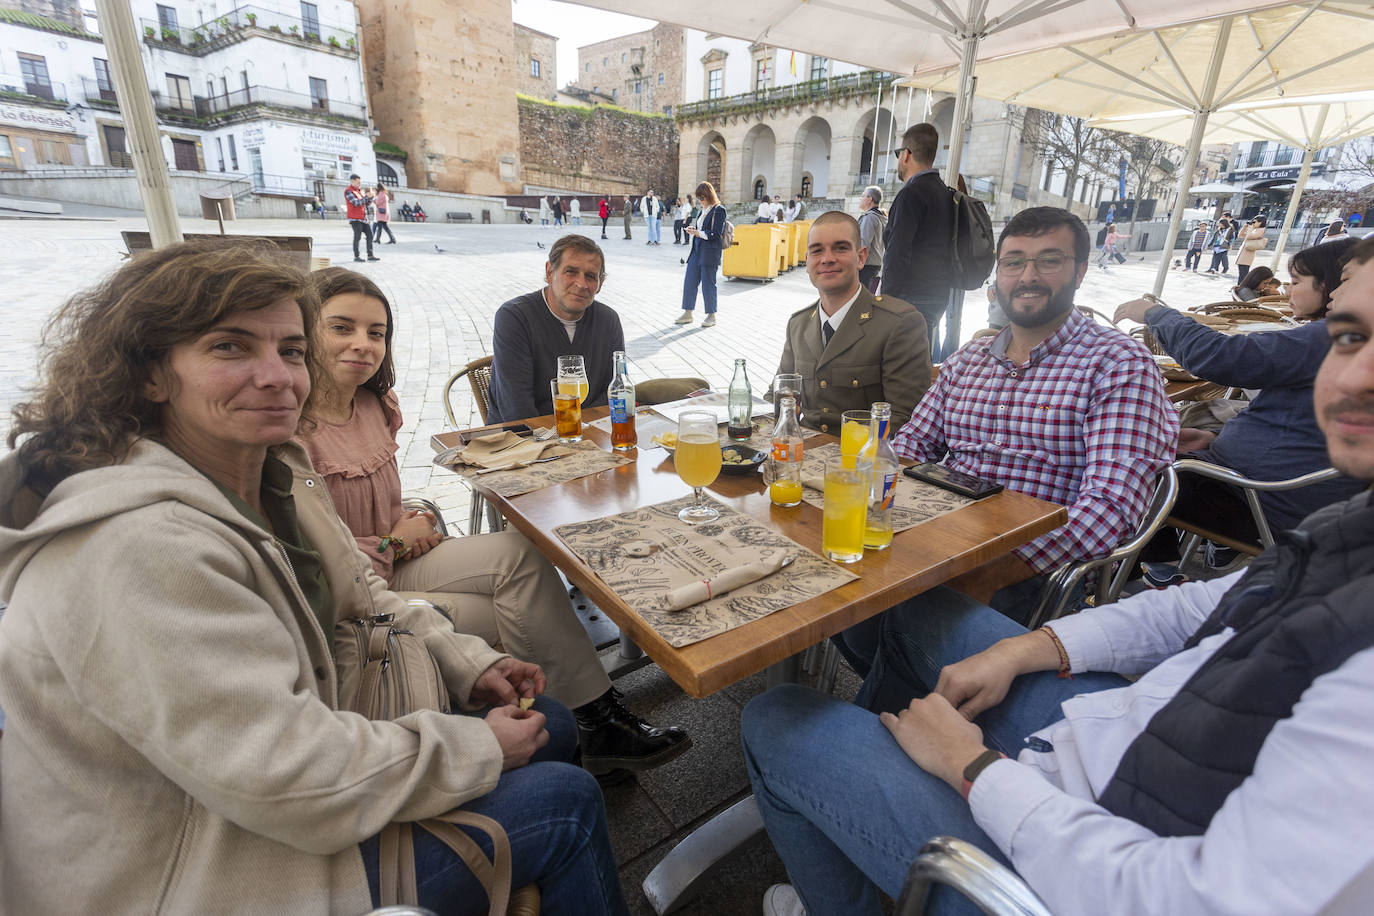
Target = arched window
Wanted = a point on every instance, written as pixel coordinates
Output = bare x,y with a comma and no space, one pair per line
806,186
387,175
760,188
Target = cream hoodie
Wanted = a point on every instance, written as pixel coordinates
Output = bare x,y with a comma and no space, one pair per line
172,742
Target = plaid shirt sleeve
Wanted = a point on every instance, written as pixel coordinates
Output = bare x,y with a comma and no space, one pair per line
353,197
1131,433
923,437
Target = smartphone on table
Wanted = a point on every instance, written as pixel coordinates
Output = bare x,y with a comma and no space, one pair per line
954,481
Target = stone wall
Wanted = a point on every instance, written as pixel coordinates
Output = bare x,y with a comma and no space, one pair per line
532,45
597,150
621,64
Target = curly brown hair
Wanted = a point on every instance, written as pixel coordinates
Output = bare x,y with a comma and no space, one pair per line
100,347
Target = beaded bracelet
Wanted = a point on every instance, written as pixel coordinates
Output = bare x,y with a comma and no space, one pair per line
1064,665
397,544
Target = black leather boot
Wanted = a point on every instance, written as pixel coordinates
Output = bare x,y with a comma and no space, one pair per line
615,738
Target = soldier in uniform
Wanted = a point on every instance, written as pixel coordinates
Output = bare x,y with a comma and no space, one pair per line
850,347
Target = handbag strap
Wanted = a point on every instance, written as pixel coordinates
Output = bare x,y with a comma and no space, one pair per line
494,873
372,665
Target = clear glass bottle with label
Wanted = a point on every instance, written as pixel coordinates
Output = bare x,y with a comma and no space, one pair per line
741,403
621,396
785,463
878,528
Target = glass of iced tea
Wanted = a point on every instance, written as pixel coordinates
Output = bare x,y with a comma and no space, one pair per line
567,412
697,460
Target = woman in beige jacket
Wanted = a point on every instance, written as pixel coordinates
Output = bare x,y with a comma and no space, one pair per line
1252,242
174,571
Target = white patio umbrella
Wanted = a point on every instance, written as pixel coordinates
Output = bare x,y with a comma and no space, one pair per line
1236,59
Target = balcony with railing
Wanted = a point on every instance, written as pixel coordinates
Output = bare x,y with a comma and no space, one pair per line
225,104
48,94
862,83
248,22
101,95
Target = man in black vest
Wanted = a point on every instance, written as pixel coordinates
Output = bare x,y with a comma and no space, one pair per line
1230,773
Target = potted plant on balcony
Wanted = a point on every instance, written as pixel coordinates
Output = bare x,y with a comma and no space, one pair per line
172,36
352,43
252,19
197,37
334,42
274,28
295,31
149,32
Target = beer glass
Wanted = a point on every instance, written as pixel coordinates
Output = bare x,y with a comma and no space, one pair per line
697,460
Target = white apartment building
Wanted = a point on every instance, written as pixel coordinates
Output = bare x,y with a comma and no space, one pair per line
271,92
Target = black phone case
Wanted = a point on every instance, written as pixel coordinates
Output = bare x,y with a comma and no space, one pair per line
982,490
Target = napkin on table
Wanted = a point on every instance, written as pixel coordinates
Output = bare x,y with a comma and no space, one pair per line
704,589
506,449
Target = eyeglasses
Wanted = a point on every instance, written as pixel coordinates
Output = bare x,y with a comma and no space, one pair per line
1045,264
899,150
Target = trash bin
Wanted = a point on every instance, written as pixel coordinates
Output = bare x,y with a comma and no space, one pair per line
216,205
756,253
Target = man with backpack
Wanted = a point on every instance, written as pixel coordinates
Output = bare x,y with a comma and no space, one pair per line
917,262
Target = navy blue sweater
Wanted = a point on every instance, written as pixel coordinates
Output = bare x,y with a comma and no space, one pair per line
526,341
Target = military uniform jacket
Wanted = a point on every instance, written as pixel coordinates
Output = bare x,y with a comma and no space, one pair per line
880,352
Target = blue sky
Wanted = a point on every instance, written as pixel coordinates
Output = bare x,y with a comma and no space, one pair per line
574,26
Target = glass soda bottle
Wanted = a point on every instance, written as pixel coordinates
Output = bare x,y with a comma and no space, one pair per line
621,396
741,404
878,528
786,461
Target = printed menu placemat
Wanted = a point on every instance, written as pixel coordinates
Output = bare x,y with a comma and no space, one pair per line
645,553
915,501
587,458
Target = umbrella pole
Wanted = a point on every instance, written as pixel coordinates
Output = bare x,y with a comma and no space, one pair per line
1185,169
1313,139
145,147
962,103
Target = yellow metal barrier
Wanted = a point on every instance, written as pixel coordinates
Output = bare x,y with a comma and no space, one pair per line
801,228
757,252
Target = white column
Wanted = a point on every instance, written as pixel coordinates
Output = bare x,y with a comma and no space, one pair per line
140,123
962,103
1185,169
1313,139
873,156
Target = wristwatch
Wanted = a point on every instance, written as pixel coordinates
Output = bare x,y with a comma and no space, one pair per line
979,764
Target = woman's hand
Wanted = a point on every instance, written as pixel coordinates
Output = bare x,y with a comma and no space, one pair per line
1194,440
520,732
981,681
506,681
416,528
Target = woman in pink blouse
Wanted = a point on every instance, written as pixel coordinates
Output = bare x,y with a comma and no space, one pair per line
497,586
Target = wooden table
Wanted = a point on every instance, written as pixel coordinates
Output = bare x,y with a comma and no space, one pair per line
1195,390
920,558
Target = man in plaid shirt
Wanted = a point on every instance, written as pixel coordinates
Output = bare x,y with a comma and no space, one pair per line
1194,256
1055,406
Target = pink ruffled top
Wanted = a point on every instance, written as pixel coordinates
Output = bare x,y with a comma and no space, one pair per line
358,462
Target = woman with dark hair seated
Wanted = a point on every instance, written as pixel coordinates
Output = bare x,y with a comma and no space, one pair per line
174,572
1259,282
1276,436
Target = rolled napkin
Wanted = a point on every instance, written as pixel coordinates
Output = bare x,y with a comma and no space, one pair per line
705,589
813,479
503,450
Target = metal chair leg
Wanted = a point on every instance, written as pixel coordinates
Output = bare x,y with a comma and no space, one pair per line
475,508
495,522
830,668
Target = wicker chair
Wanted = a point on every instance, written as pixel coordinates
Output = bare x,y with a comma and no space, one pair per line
478,373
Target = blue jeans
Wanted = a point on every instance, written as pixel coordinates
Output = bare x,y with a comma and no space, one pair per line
702,265
654,225
845,807
556,820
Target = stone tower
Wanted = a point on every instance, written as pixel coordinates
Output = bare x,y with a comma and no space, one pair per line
441,84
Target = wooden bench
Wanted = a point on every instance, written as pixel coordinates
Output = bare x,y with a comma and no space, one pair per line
455,217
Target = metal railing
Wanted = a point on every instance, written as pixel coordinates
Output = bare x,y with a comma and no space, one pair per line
212,106
96,93
833,87
245,22
17,86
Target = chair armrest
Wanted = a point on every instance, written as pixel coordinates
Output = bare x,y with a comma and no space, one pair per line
996,889
1226,475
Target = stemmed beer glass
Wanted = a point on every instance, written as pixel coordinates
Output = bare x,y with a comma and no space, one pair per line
697,460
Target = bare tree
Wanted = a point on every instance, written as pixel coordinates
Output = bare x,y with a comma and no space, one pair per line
1067,144
1148,163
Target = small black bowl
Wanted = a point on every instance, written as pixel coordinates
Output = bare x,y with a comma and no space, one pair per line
752,459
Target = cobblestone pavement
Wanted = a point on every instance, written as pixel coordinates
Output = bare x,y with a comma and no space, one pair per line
445,283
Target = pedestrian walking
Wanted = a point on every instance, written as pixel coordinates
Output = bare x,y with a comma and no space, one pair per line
702,264
1109,247
575,210
652,210
626,214
1252,240
679,219
383,202
558,211
603,210
545,211
355,209
1193,259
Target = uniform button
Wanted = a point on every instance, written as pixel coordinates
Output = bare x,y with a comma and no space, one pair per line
320,673
854,383
825,410
825,427
822,383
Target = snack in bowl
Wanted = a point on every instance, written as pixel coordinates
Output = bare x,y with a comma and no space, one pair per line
740,459
667,440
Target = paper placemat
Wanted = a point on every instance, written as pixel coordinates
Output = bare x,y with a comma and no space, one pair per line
683,553
587,458
915,502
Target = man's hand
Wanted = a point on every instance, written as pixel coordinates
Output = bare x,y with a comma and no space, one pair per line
520,732
506,681
1194,440
981,681
933,734
1134,310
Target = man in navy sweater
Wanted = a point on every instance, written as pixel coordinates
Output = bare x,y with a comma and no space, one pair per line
562,319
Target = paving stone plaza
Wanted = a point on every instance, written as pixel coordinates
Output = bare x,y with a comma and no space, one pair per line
445,284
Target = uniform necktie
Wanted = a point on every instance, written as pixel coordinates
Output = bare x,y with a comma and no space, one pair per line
827,332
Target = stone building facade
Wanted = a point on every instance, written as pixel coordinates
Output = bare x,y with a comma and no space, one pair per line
641,72
441,80
596,150
535,63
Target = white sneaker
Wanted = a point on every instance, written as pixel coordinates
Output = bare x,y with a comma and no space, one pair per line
684,318
709,321
782,900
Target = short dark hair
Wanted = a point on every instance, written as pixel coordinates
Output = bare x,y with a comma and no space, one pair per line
580,244
355,175
839,216
339,281
921,140
1039,220
1323,264
1360,252
1256,278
